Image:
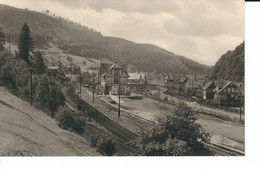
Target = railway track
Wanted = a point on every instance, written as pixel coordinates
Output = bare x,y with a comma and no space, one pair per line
139,121
121,148
123,135
121,132
221,150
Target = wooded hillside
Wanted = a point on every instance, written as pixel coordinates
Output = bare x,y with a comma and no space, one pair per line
86,42
230,66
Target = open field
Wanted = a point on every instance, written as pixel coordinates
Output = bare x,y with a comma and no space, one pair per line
53,53
26,131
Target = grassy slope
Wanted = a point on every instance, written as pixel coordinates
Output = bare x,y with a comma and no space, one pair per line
82,41
27,131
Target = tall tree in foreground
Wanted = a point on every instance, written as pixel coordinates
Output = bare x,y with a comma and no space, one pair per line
25,43
174,134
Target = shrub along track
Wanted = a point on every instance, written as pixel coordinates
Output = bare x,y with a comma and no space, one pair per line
121,134
121,148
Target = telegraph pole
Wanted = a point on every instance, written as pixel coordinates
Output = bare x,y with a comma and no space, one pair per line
158,92
9,48
80,79
119,96
142,86
31,88
240,105
93,88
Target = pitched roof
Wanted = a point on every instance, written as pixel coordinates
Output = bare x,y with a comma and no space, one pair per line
193,83
207,85
221,84
104,67
182,79
114,66
227,84
169,77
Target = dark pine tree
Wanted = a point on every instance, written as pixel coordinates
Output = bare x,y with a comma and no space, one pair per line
39,65
25,43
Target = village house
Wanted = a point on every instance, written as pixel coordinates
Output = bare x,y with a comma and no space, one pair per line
151,81
194,87
208,90
220,84
175,84
172,84
136,82
110,77
162,79
57,72
228,95
182,83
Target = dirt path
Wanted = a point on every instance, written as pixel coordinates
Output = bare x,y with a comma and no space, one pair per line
26,131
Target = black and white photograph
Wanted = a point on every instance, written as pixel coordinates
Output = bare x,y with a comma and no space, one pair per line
86,78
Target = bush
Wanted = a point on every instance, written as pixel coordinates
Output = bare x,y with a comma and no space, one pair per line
175,133
94,141
105,145
69,121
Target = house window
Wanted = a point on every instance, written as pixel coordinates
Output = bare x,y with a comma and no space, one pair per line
236,97
233,89
116,80
229,89
116,72
224,97
232,95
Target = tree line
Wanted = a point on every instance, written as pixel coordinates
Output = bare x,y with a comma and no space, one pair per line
15,74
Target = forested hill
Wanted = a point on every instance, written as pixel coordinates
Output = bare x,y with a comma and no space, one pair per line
86,42
230,66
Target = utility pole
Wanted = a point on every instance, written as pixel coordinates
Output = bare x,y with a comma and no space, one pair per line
31,88
158,92
93,88
119,96
9,48
80,79
240,105
142,86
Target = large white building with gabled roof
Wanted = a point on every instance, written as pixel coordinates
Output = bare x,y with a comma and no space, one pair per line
110,77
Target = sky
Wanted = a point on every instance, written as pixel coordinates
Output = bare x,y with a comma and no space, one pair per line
201,30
